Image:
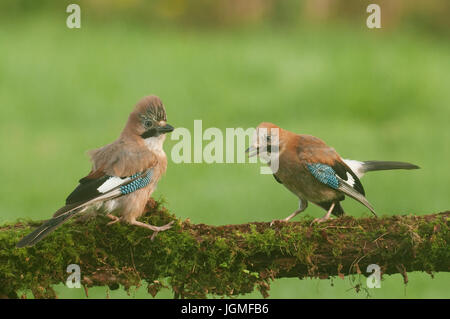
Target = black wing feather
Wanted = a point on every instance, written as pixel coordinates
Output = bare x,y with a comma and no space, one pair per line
342,169
86,190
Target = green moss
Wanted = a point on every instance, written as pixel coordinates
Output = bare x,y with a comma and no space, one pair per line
200,260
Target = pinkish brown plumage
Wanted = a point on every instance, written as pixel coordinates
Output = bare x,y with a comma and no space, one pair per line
314,171
124,173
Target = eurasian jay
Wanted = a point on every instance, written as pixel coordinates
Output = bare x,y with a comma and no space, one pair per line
313,171
124,173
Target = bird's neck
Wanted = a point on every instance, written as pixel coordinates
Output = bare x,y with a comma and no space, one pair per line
155,144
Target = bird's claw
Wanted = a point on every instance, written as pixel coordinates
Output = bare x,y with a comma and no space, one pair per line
277,220
114,220
318,221
157,229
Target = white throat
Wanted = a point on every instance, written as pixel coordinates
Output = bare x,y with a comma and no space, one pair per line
155,144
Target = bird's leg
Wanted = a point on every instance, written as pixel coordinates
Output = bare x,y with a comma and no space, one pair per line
156,229
325,217
114,219
302,204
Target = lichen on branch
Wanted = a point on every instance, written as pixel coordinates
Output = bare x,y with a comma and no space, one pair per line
197,260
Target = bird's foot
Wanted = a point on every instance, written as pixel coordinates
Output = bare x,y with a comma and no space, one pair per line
156,229
325,217
285,220
278,220
115,219
319,220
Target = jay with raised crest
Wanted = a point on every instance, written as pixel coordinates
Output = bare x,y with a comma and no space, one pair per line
313,171
124,173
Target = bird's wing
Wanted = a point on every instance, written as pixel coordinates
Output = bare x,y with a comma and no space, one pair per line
98,186
328,176
325,164
344,172
118,169
350,191
115,166
92,189
312,150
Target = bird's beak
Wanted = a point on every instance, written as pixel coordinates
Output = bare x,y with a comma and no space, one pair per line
165,129
252,151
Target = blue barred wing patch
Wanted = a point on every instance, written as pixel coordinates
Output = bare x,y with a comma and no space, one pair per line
324,174
138,183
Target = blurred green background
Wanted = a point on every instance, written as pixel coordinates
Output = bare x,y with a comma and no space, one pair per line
309,66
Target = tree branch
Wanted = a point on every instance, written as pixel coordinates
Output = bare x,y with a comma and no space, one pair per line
198,260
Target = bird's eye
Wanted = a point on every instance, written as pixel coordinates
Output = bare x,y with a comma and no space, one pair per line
147,123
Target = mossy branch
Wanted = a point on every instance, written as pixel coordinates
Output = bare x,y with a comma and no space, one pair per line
199,260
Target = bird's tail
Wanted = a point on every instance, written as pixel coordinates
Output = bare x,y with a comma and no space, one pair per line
46,228
62,215
369,166
360,168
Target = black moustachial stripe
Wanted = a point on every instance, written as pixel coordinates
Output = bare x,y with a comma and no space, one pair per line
153,132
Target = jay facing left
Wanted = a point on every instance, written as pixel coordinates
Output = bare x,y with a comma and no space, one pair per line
124,173
314,171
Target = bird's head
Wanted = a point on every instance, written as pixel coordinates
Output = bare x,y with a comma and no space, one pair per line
267,138
148,119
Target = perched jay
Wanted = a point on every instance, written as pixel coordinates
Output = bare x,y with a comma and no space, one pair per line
124,173
313,171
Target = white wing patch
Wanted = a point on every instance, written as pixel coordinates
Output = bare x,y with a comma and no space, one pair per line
357,167
350,180
111,183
